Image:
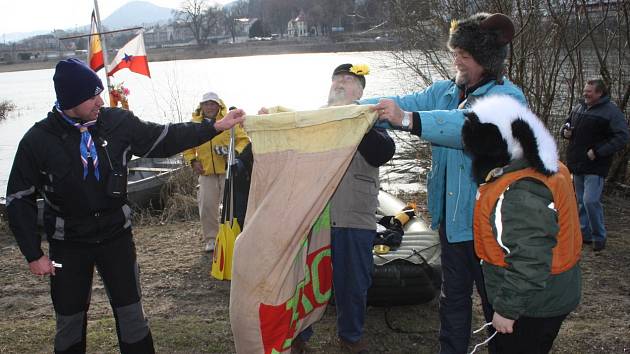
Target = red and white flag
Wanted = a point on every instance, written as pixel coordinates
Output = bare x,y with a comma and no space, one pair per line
95,50
132,56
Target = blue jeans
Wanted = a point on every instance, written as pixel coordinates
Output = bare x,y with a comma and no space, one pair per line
352,263
588,189
460,271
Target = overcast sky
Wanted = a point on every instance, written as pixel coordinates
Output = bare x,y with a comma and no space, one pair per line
34,15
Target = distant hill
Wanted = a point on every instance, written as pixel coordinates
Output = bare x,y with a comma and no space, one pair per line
18,36
136,13
132,14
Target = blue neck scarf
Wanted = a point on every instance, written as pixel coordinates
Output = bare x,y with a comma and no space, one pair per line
86,147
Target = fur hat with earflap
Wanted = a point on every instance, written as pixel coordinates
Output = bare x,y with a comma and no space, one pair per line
486,37
500,129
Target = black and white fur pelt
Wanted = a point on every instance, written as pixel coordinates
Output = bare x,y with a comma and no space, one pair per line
499,129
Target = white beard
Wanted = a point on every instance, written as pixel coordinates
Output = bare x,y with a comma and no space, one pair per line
461,79
338,97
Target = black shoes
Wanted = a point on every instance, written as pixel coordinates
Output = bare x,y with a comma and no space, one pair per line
598,245
299,346
359,347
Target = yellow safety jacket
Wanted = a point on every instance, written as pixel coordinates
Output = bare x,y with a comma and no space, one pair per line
213,154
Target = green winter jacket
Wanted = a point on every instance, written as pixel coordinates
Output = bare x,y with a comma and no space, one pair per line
526,286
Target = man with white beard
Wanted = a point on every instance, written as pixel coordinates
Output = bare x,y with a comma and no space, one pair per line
353,225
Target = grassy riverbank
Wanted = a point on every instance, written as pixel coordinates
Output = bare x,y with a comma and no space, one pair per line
188,310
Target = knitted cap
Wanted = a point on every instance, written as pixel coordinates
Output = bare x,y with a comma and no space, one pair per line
359,71
75,83
485,37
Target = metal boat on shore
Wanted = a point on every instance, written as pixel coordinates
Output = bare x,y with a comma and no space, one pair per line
147,176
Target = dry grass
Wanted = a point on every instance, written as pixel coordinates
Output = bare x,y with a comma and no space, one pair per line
188,310
178,199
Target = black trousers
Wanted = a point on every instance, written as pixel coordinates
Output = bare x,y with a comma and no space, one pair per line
240,206
71,289
461,272
530,336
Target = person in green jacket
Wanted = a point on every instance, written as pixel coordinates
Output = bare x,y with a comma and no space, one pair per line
526,225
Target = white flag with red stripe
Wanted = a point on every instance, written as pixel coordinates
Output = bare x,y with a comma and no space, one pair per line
132,56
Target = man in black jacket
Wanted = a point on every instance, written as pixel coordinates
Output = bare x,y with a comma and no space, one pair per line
596,129
76,160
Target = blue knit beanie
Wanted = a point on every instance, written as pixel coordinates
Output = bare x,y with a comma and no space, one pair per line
75,83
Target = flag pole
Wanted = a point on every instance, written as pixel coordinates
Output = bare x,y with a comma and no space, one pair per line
105,61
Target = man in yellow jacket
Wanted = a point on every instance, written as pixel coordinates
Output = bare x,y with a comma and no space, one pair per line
209,162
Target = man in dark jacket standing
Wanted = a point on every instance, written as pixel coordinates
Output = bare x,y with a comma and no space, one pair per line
596,129
76,160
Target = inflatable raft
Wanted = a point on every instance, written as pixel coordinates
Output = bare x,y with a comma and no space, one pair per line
409,274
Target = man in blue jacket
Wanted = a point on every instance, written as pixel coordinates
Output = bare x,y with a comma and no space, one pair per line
479,45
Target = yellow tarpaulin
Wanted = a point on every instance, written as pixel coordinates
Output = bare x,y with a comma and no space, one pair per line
282,273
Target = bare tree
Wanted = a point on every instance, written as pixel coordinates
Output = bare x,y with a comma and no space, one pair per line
213,20
335,12
236,10
255,8
277,14
315,17
371,12
192,12
558,45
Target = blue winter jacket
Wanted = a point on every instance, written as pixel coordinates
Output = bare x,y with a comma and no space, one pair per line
441,124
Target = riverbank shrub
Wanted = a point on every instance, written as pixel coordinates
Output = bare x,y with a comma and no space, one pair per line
178,201
179,197
5,108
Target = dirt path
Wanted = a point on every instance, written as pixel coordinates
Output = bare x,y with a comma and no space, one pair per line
188,310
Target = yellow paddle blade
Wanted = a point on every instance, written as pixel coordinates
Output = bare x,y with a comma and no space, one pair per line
236,227
218,258
230,238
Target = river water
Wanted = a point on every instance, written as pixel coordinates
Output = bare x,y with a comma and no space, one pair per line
297,81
